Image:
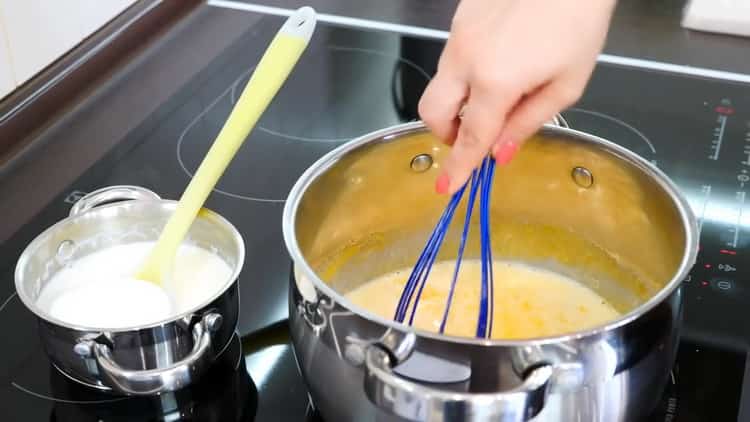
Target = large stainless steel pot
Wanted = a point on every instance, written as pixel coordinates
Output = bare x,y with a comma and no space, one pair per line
569,200
161,357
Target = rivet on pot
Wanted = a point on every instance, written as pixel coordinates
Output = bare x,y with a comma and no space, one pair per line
84,348
313,315
583,177
421,163
355,354
65,251
569,376
213,322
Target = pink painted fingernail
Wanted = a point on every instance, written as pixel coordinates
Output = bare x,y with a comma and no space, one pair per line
442,183
505,152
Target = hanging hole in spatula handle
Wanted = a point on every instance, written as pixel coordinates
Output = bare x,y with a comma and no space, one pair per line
301,23
112,194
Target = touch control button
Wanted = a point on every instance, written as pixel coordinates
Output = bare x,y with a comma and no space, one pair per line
723,284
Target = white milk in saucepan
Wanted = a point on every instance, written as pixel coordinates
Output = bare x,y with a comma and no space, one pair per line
528,302
99,291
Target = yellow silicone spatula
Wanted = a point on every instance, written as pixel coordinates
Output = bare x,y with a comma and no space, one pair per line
272,70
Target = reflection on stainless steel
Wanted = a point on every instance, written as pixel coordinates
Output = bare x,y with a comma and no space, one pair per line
169,376
111,194
260,364
718,211
348,233
415,401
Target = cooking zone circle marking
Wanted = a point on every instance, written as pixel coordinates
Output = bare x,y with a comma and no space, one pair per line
7,301
27,390
338,49
616,130
192,138
57,400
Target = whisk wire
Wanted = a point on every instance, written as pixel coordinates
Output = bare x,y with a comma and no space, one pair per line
464,235
480,182
422,268
433,254
411,284
488,247
427,264
486,301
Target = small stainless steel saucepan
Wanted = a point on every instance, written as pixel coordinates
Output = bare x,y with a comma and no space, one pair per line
569,201
160,357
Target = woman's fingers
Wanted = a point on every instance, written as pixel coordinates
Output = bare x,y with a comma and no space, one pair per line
481,124
512,76
531,113
441,103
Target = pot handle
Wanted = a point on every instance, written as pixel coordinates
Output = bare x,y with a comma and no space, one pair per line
155,381
559,120
111,194
414,401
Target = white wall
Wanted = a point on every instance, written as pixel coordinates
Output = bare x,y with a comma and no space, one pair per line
7,79
38,32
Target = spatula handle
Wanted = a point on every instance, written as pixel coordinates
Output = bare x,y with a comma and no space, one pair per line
272,71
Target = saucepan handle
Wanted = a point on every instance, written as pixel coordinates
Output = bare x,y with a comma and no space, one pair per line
160,380
111,194
407,399
559,120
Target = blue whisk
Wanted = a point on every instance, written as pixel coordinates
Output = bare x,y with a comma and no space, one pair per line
481,181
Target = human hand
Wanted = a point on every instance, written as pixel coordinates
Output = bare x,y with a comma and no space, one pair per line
509,66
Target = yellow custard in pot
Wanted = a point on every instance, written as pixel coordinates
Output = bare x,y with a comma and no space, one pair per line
528,301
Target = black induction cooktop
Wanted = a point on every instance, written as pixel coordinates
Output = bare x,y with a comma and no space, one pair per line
350,82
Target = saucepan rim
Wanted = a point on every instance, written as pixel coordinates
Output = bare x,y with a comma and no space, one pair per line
318,168
34,244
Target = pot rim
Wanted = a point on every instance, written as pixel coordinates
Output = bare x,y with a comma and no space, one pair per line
396,131
31,305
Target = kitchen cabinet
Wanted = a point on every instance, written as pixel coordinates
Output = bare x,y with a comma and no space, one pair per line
39,32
